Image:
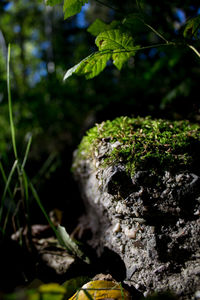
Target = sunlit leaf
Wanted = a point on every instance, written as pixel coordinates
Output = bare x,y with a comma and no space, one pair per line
72,7
113,44
121,42
114,39
91,66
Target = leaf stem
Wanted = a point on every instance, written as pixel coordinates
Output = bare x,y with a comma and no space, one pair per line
134,49
155,31
194,49
157,45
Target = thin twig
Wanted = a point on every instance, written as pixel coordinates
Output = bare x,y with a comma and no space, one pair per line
155,31
194,49
106,51
156,46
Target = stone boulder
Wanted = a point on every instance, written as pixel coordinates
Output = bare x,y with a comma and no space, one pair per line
140,180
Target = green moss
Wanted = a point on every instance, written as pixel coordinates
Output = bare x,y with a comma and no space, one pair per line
145,143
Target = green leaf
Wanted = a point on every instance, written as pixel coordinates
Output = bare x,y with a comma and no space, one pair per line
113,44
99,26
72,7
91,66
70,245
120,42
7,186
114,39
53,2
192,28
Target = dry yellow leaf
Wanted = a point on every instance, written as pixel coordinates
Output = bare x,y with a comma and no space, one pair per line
101,289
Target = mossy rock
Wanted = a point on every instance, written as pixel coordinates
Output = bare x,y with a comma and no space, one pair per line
140,182
143,144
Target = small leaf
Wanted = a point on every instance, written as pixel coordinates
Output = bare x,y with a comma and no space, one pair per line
91,66
72,7
70,245
192,28
99,26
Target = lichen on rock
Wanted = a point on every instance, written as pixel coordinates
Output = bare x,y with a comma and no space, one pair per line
140,181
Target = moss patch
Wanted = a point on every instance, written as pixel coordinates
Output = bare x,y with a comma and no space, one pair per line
145,144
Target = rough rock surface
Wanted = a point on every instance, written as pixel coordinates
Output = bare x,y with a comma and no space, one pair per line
151,221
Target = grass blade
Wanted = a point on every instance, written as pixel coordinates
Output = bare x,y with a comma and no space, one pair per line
25,181
26,153
35,195
12,127
87,294
122,291
7,185
5,179
45,168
